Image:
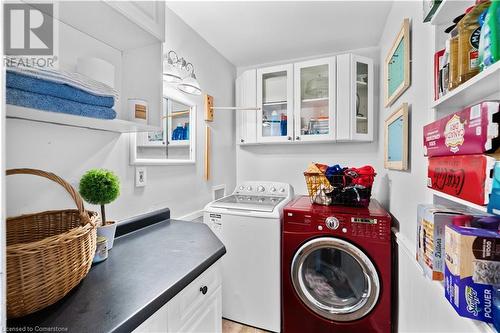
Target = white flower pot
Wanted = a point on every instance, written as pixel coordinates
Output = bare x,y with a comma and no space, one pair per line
108,231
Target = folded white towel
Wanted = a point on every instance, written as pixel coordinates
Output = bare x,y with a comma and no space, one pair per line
76,80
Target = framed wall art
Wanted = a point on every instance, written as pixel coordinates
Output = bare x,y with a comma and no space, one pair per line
396,139
397,65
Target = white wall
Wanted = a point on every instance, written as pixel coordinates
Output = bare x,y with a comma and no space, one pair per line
287,162
422,305
69,152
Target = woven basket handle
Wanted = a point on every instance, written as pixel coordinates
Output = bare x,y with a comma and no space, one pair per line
49,175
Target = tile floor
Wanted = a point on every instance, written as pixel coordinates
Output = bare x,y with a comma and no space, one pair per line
233,327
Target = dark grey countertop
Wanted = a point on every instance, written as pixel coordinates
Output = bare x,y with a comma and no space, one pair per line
144,270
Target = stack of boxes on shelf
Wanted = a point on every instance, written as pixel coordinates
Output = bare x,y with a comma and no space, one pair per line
455,245
463,250
461,246
456,146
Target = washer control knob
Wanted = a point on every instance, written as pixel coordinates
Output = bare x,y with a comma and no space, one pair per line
282,190
242,188
261,188
249,188
273,189
332,223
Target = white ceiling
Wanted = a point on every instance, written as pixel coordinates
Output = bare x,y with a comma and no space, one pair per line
251,33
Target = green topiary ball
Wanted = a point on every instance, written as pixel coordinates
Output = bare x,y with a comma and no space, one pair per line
99,186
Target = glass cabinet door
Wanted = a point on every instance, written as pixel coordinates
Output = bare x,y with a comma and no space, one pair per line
314,100
274,97
362,68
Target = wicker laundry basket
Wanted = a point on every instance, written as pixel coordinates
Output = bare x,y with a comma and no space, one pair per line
48,253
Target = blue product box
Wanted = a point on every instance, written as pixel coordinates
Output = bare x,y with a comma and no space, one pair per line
471,300
472,258
494,202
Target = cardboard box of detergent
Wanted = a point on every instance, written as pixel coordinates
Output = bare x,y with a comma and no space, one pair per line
472,267
431,223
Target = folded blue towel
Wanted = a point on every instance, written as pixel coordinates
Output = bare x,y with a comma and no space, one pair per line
60,90
56,104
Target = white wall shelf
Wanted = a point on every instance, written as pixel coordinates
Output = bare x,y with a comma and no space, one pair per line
179,143
459,201
474,90
109,125
448,10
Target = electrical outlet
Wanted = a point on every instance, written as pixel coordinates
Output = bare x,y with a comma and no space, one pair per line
140,176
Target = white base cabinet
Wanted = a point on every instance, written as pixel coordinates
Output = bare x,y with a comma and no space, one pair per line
195,309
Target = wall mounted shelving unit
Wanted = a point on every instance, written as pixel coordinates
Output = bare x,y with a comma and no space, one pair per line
483,86
129,35
63,119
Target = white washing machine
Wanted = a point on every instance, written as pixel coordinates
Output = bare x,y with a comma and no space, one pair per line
248,222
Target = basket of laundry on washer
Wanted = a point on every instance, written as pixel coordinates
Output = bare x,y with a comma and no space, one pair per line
334,185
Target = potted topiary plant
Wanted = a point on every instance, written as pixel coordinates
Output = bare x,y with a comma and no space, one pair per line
101,187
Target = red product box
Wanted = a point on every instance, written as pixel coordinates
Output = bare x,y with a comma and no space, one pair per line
468,177
474,130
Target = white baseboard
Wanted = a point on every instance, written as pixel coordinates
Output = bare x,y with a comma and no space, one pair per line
191,216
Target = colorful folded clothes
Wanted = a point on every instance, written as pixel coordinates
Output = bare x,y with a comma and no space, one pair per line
61,90
56,104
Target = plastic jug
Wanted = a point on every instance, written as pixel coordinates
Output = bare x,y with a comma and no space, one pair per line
275,124
177,132
469,32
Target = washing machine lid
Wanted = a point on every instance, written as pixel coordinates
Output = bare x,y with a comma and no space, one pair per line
248,202
335,279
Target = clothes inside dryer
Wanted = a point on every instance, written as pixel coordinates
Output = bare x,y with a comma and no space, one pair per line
334,278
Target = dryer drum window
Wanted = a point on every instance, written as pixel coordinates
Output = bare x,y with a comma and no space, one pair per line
335,279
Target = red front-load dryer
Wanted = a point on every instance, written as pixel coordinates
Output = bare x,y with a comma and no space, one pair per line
336,268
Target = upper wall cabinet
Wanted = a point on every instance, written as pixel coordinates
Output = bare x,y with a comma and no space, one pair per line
354,98
149,15
246,96
315,100
275,98
327,100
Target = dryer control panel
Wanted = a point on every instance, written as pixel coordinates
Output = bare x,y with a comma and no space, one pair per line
370,227
369,224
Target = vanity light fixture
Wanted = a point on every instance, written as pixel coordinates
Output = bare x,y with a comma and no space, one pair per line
190,84
176,70
171,69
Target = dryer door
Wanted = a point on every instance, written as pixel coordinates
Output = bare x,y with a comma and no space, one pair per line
335,279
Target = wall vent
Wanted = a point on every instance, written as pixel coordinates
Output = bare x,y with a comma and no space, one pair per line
218,191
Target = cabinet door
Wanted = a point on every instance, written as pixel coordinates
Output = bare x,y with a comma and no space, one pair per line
315,100
195,308
275,98
354,98
208,318
149,15
362,106
246,96
156,323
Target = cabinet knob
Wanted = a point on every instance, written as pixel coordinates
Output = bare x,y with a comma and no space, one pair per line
297,138
241,140
204,290
290,138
